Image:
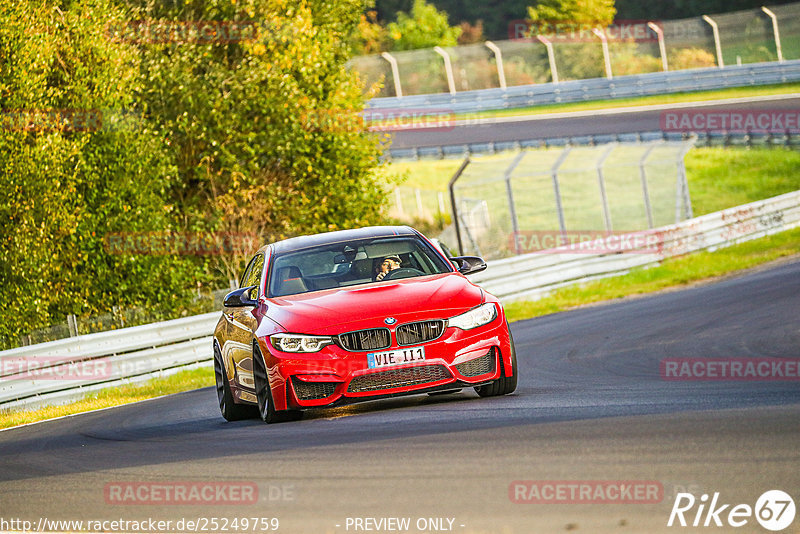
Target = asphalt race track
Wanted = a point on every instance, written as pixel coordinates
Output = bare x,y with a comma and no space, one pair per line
591,405
603,122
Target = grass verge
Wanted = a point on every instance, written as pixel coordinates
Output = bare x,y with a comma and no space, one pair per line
671,273
180,381
718,178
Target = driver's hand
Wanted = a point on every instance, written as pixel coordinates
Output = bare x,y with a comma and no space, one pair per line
380,276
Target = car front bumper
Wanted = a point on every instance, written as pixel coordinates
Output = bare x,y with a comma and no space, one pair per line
334,376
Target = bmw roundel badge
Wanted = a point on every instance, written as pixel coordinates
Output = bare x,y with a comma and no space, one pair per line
390,320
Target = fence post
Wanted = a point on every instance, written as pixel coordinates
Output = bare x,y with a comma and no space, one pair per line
775,31
448,68
602,182
453,206
606,55
717,45
684,199
551,56
645,193
72,323
398,89
511,206
498,55
554,172
398,201
662,45
420,208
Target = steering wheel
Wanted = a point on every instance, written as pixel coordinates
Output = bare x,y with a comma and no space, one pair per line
403,272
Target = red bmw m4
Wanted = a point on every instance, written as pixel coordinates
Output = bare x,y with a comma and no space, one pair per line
356,315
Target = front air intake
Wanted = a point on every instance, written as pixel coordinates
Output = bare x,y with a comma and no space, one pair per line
363,340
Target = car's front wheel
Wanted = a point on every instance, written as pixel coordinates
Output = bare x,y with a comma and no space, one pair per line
505,384
229,409
266,406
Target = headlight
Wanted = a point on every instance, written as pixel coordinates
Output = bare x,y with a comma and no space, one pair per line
474,318
299,342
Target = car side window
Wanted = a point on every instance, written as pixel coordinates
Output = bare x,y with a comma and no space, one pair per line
253,265
254,275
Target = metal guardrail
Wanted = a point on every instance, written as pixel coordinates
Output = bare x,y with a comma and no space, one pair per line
751,139
596,89
532,275
67,369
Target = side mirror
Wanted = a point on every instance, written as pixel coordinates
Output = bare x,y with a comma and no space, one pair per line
469,264
242,297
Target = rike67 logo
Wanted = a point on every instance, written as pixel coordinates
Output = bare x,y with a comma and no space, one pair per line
774,510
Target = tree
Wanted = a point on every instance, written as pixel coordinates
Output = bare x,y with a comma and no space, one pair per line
225,136
598,13
371,37
425,27
275,112
74,169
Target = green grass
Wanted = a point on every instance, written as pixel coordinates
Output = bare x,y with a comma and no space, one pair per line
718,178
722,178
674,98
671,273
181,381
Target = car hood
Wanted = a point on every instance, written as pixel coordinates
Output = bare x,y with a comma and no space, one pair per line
331,311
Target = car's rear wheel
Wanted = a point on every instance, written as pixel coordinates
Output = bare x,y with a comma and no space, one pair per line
229,409
266,406
505,384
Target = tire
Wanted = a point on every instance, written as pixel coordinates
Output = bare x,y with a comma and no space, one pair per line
266,406
227,407
505,384
511,381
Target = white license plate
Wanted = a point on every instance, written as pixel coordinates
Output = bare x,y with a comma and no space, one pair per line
395,357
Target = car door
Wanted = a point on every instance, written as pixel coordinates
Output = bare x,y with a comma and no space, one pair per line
241,325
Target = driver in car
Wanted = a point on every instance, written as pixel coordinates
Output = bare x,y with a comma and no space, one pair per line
390,263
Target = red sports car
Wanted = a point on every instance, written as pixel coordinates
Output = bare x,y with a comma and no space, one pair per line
357,315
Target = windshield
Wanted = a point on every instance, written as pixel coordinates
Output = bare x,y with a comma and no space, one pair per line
352,263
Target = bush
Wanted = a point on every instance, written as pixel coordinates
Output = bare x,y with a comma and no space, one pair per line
690,58
71,173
